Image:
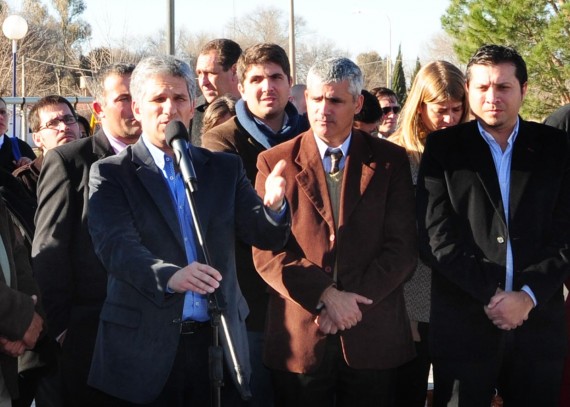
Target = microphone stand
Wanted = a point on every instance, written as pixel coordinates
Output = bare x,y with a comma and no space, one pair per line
216,308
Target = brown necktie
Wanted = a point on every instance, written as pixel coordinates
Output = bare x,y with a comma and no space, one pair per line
336,155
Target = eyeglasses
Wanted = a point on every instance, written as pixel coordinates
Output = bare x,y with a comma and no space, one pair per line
388,109
53,124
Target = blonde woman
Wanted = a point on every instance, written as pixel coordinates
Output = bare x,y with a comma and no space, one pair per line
218,112
436,100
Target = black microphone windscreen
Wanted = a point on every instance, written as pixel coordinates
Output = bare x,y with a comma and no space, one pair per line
175,129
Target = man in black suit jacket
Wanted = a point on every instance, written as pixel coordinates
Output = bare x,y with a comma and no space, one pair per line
9,161
20,324
494,219
152,343
71,277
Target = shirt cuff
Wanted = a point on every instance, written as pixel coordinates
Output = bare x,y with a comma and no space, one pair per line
278,215
527,290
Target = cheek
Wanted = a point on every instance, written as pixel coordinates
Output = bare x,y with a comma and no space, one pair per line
455,117
429,121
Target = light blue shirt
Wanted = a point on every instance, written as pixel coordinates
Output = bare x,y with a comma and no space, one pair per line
502,160
195,305
326,159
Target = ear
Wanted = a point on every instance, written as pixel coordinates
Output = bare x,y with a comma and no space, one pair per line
136,110
98,109
37,140
359,102
242,91
524,89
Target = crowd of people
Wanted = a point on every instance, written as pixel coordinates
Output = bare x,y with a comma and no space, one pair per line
356,243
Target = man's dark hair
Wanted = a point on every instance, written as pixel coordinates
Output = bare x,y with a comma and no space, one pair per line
51,100
96,84
261,54
491,54
370,112
228,51
382,92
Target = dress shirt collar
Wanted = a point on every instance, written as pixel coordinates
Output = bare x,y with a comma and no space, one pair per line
491,140
326,159
261,123
116,144
156,153
323,147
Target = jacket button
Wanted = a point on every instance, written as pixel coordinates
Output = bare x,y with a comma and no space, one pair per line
501,239
331,237
328,269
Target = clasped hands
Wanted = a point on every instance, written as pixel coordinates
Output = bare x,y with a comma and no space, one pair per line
509,310
341,310
17,348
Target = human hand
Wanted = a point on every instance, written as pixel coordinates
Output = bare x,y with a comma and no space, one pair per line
22,161
275,187
33,332
509,310
197,277
343,307
12,348
325,323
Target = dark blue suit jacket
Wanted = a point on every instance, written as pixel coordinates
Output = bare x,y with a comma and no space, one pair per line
136,234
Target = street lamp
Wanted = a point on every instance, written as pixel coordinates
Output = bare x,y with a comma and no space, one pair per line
14,28
292,61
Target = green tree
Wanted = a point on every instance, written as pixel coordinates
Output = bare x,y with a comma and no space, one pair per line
416,70
73,31
538,29
399,79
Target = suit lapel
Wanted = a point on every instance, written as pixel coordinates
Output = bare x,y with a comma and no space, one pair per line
525,151
101,146
358,172
481,160
311,178
151,178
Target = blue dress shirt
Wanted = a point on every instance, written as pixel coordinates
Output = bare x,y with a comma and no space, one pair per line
502,160
195,305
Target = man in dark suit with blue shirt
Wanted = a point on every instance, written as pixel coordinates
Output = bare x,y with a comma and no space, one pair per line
71,278
494,221
154,333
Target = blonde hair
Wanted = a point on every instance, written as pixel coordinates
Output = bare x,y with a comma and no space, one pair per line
437,82
217,110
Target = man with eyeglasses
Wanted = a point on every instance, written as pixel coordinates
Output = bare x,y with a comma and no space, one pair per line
13,152
53,122
72,279
390,111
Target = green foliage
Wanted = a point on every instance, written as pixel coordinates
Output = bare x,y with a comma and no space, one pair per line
416,70
538,29
399,79
373,67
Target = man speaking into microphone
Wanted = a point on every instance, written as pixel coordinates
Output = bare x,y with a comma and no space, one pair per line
154,331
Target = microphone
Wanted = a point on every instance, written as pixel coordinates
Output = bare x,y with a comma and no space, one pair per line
177,137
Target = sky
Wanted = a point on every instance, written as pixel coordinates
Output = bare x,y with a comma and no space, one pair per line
353,26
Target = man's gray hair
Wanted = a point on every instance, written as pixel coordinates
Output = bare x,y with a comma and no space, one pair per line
334,70
161,65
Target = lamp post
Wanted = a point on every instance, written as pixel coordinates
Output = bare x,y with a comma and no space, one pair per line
14,28
292,60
